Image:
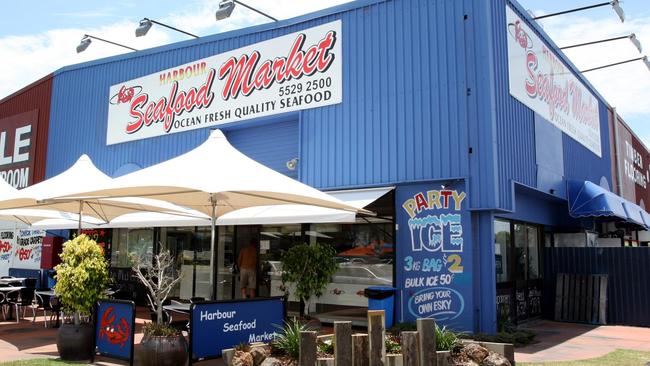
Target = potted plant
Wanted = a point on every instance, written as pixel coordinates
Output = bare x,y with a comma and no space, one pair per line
82,277
161,343
310,268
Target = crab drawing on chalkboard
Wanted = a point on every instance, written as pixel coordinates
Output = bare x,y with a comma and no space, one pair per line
115,332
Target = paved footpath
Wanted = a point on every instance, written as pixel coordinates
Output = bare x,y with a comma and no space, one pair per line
27,340
568,341
555,341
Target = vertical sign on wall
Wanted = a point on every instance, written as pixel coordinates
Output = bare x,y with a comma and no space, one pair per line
434,260
115,329
27,252
18,147
7,248
541,81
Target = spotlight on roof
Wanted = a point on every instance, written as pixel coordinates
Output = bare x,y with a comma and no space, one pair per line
225,9
143,28
636,42
85,42
619,11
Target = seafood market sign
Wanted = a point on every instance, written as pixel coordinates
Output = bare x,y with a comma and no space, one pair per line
289,73
542,82
218,325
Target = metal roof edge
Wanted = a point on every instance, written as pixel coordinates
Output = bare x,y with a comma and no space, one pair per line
629,128
27,87
221,36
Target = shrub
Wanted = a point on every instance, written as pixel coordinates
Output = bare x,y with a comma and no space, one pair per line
310,267
288,341
81,277
393,345
158,330
446,339
326,346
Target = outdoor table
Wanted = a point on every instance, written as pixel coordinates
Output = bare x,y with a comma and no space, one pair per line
8,281
6,290
183,308
11,288
45,292
179,308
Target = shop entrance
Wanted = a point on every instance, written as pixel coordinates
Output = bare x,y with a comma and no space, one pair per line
517,264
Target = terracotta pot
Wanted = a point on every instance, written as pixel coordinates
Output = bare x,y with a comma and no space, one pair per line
163,351
75,342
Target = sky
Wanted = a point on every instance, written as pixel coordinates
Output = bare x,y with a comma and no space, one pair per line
39,37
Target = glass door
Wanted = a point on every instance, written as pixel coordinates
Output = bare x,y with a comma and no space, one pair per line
527,271
518,270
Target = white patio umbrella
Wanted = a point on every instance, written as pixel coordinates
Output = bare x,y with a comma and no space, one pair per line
28,216
215,175
81,176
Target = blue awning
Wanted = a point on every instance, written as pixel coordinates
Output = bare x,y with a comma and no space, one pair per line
587,199
634,213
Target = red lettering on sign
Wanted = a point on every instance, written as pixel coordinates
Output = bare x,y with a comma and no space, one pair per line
242,76
166,109
5,246
24,254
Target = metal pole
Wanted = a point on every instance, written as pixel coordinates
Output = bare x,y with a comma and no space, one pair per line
255,10
111,42
173,28
213,251
614,64
572,10
594,42
81,207
617,153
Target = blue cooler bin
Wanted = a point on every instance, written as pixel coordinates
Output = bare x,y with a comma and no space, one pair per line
382,298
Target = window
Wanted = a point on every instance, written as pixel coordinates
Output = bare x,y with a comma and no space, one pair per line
532,252
520,252
128,242
502,247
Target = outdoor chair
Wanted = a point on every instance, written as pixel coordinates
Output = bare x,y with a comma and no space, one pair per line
44,304
23,298
2,304
30,282
55,304
11,298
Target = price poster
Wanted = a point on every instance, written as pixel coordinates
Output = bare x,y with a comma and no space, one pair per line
434,258
27,251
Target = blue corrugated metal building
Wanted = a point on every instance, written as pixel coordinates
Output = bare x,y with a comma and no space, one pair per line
425,108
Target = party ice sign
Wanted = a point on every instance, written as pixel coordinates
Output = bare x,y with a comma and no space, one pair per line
219,325
434,258
289,73
542,82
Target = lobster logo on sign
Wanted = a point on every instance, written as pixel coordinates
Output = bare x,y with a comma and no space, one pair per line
115,332
125,94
